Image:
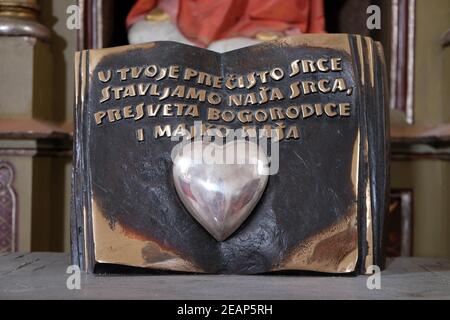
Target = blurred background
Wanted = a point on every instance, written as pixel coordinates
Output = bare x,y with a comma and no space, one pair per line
37,44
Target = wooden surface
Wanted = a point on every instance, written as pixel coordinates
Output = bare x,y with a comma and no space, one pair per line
43,276
436,135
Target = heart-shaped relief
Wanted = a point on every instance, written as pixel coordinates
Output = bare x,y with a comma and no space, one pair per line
220,184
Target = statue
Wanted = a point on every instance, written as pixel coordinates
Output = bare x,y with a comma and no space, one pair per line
223,25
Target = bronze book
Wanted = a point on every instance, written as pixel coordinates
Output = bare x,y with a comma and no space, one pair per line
318,101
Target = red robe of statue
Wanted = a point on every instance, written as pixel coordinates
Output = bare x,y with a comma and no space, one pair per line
204,21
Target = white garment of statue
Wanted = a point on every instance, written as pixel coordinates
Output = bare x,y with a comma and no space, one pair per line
147,31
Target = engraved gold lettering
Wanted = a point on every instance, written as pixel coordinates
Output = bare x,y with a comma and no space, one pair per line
139,112
329,109
230,83
136,72
154,90
262,76
162,74
263,95
228,116
213,114
322,65
152,110
214,98
307,110
178,91
319,109
167,110
192,111
339,84
123,73
344,109
295,68
160,132
117,91
151,71
250,98
105,94
128,112
323,86
261,115
98,116
251,80
235,99
143,88
308,66
292,112
295,91
104,77
165,94
140,134
192,93
217,82
308,87
336,64
276,113
174,72
204,78
189,73
244,116
276,94
180,130
292,133
114,115
277,74
129,91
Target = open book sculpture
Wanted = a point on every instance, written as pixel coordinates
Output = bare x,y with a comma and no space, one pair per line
267,158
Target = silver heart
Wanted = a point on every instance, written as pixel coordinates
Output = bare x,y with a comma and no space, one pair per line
220,195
